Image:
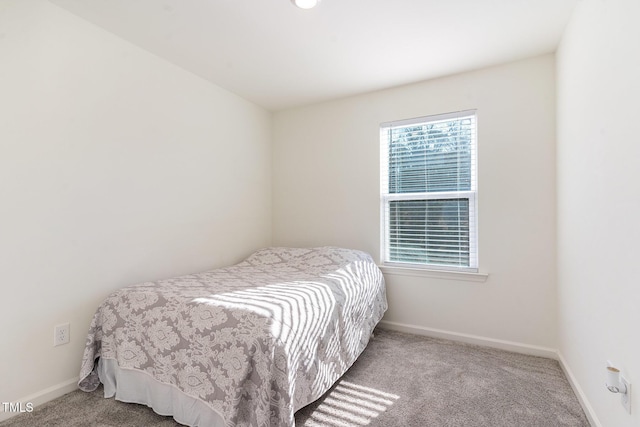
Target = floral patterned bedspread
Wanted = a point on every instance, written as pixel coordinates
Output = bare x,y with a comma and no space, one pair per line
255,341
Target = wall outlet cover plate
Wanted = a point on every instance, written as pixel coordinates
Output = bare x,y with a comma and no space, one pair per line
626,398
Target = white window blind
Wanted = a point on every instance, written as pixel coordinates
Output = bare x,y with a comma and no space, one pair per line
428,192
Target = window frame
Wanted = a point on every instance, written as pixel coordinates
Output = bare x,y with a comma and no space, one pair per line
471,195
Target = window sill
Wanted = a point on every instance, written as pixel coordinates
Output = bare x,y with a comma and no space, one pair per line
434,274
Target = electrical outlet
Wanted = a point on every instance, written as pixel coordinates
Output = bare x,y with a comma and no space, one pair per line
626,398
61,334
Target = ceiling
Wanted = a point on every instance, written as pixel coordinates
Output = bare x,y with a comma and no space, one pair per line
279,56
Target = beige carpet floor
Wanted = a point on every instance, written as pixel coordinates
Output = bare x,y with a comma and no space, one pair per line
400,380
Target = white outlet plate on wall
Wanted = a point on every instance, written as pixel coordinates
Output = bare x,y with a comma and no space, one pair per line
626,398
61,334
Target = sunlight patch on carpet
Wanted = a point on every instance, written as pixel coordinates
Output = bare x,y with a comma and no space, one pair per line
351,405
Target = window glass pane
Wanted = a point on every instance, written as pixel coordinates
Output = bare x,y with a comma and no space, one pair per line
431,157
429,231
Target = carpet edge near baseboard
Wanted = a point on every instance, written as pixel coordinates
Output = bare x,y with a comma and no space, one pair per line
512,346
577,390
503,345
42,397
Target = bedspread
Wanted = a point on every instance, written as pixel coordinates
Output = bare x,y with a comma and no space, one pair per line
255,341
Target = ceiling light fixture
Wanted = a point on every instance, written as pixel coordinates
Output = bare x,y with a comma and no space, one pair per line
305,4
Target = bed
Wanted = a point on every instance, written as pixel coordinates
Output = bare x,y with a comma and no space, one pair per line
245,345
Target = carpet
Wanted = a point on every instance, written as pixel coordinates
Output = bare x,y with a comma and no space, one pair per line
400,380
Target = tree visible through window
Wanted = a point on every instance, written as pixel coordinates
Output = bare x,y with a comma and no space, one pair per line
428,193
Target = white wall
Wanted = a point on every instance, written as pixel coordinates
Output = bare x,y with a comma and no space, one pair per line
326,192
115,167
599,201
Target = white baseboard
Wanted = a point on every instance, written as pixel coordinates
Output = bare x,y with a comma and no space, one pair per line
42,397
582,398
471,339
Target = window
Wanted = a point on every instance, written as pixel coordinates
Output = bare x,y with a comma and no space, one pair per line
428,192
